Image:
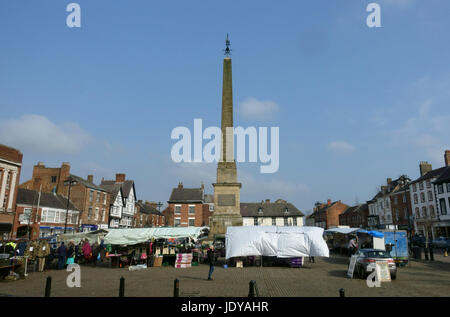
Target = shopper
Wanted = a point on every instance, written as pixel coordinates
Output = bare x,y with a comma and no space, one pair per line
212,261
62,254
87,251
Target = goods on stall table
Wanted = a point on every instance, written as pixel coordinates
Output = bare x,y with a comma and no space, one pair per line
239,264
296,262
183,260
158,261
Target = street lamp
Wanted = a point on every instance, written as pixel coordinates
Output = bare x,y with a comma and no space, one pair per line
68,182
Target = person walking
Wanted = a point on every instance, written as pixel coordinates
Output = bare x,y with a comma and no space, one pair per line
352,246
71,253
62,254
87,251
212,261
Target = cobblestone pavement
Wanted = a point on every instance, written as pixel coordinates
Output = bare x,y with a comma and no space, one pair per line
323,278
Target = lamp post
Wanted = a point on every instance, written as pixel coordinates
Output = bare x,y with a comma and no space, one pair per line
68,182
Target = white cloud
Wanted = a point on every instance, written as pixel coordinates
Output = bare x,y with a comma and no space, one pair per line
340,147
253,108
36,133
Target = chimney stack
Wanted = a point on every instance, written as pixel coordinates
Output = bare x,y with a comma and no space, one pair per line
180,185
202,186
389,181
267,201
90,179
447,158
425,167
120,178
329,202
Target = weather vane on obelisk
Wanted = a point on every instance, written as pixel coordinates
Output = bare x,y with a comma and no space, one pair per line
227,50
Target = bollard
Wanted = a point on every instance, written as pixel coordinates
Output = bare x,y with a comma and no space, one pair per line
176,288
48,286
251,291
431,254
122,287
342,292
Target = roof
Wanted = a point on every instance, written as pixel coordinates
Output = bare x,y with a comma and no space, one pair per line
354,209
84,182
147,209
31,197
113,189
209,199
126,186
269,210
445,176
180,195
431,174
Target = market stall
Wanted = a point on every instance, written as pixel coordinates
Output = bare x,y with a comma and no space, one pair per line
273,241
155,246
338,238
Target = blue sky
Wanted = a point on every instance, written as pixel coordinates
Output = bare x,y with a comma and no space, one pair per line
355,105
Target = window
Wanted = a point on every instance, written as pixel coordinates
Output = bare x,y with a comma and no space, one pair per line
211,207
417,213
416,201
421,185
422,197
192,210
274,221
103,214
387,203
255,221
295,221
104,198
443,206
404,198
424,212
432,213
428,184
96,213
414,188
91,196
177,209
396,200
440,189
53,179
74,218
448,188
177,222
430,195
98,197
285,221
90,213
191,222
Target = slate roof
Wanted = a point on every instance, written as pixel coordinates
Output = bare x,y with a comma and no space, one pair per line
269,210
445,176
148,209
431,174
31,197
84,182
354,209
113,189
209,199
186,195
126,186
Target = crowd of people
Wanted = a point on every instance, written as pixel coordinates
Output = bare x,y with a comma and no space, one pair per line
82,253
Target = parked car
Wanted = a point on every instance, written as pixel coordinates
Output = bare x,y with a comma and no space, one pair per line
366,257
441,243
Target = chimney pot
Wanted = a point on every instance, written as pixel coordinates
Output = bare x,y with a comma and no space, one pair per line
329,202
180,185
389,181
120,178
90,179
447,158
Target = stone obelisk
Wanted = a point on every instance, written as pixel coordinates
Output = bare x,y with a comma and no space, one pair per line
227,189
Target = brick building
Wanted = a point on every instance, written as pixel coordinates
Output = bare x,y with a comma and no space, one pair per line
187,207
355,216
91,200
266,213
147,215
40,214
327,215
402,211
10,166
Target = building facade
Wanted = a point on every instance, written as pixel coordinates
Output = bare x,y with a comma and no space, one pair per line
10,167
280,213
147,216
355,216
128,196
327,215
91,200
187,207
442,192
41,214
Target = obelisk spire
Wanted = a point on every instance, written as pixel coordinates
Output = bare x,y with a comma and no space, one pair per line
227,154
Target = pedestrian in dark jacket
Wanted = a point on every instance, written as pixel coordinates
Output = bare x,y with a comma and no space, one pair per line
62,254
212,261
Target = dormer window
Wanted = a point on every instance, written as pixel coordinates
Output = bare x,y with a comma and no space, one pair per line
286,210
260,210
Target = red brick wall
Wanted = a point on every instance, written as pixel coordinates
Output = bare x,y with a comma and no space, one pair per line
333,214
184,214
10,154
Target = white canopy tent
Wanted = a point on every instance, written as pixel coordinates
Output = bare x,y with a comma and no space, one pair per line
282,242
136,236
